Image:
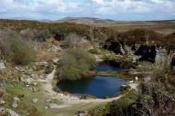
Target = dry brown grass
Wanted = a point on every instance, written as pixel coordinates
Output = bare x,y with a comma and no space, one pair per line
43,53
45,56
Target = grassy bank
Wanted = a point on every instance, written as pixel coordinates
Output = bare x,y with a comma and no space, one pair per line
118,74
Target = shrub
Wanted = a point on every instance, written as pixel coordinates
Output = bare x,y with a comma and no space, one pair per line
41,35
94,51
72,40
118,107
28,34
74,63
16,50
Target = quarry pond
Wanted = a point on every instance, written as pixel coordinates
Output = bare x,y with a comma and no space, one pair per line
98,86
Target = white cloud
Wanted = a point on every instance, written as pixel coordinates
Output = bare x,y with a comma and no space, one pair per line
100,8
100,2
57,5
134,6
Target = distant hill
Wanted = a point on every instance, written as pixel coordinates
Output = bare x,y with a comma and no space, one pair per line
162,26
119,25
85,20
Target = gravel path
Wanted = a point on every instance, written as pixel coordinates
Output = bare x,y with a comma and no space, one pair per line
73,104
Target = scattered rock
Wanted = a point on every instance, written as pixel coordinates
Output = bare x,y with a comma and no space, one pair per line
20,69
125,87
54,48
49,69
40,66
34,89
135,58
28,81
87,97
2,66
14,105
2,82
131,81
55,60
7,112
136,78
2,102
16,100
35,100
34,76
82,113
54,106
35,83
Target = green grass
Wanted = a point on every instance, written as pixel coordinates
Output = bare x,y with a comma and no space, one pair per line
119,105
15,89
26,95
117,74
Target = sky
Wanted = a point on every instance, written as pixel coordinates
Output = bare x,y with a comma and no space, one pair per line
122,10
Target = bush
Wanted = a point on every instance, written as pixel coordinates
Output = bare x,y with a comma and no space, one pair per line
74,63
72,40
118,107
16,50
42,35
94,51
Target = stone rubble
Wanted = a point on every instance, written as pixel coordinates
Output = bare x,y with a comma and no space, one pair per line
15,102
34,100
8,112
2,66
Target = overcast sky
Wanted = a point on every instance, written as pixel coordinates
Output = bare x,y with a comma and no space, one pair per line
106,9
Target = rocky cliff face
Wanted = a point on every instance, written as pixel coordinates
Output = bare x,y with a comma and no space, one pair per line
147,53
163,58
173,61
143,43
148,45
115,46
